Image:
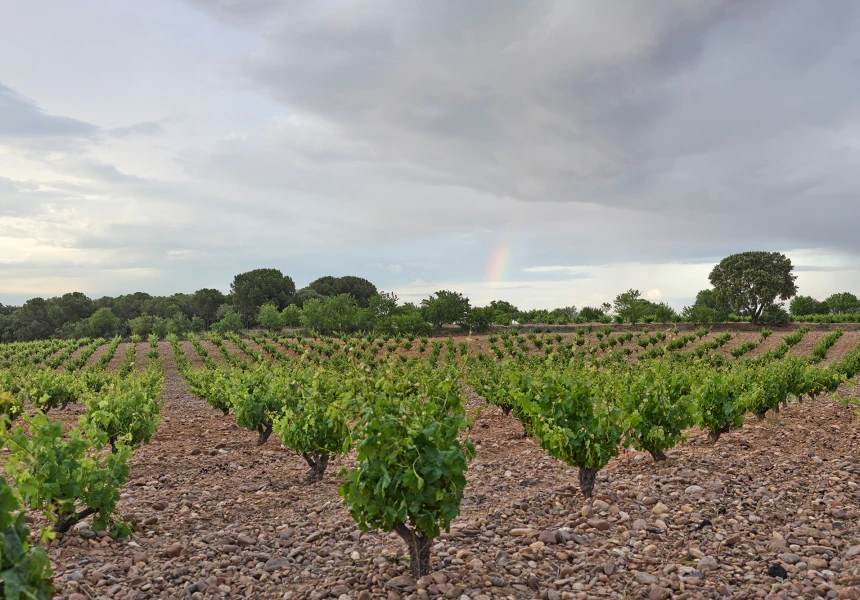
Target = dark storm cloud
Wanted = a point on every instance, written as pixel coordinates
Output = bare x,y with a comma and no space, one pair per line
735,119
21,118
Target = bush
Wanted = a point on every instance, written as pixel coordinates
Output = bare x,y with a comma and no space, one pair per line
270,318
659,406
127,411
410,469
232,321
257,400
26,571
718,399
575,420
314,424
70,478
774,315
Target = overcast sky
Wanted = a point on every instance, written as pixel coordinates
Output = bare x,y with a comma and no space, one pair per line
547,153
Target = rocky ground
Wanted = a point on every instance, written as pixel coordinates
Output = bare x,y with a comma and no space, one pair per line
771,511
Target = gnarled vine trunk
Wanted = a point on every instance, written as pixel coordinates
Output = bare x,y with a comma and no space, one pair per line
265,430
317,464
66,522
586,480
657,454
419,550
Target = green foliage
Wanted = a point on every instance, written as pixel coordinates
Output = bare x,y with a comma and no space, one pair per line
819,353
25,572
68,478
257,399
574,416
231,321
743,348
361,290
103,323
253,289
843,303
774,315
334,314
291,316
794,338
751,281
629,306
445,307
719,401
410,469
314,423
658,405
127,410
269,317
807,305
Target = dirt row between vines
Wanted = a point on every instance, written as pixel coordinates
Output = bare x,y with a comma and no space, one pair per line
769,511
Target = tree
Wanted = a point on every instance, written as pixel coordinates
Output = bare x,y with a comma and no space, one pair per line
590,314
205,303
360,289
32,321
103,323
305,294
445,307
751,281
270,317
291,316
383,304
504,312
253,289
843,303
629,306
231,321
69,308
802,306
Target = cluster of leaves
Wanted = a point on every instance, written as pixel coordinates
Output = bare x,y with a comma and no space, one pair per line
67,477
411,464
819,353
25,571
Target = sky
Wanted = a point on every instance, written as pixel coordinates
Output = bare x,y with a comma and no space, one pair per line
549,153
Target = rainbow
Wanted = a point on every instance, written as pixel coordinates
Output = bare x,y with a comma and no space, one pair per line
498,263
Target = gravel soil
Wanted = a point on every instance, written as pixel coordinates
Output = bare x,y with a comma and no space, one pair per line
770,511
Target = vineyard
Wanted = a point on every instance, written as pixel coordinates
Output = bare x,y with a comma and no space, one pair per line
634,462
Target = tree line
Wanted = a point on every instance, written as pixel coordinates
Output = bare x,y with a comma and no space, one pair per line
750,286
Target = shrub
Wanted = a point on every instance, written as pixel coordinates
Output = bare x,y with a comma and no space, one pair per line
70,478
793,339
127,411
575,421
410,469
314,424
718,399
257,401
658,404
26,571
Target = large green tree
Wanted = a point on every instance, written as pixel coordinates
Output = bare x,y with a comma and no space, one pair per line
357,287
255,288
205,303
630,306
751,281
843,303
802,306
445,307
69,308
103,323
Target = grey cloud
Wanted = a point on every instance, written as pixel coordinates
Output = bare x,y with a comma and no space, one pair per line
724,117
21,118
138,129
